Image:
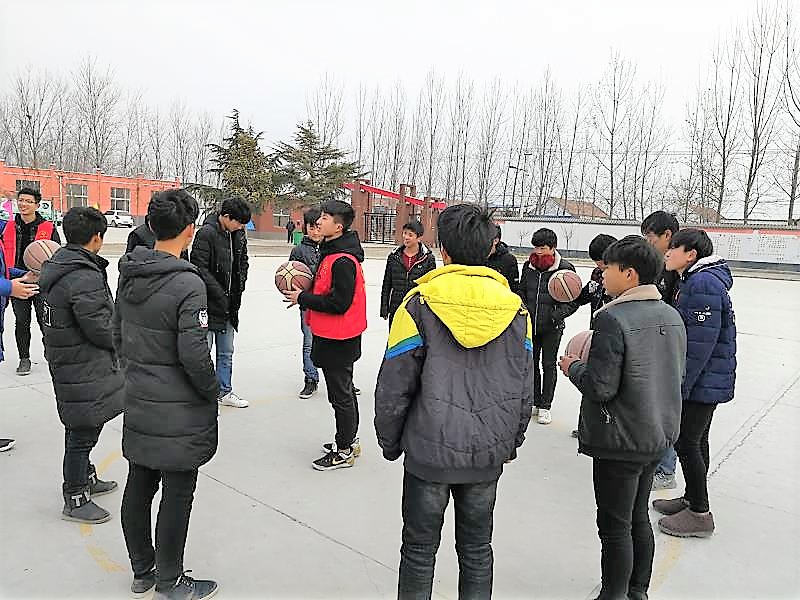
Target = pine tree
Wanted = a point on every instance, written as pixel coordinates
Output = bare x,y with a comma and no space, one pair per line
309,171
242,167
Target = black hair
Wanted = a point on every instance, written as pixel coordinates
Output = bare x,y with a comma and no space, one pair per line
341,212
544,237
693,239
634,252
310,217
466,233
170,212
415,227
81,223
26,191
599,244
498,233
659,222
237,209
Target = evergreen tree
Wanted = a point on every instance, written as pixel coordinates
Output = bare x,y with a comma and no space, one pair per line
243,169
309,171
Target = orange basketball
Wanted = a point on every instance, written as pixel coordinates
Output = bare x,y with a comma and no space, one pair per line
579,345
564,285
38,252
292,275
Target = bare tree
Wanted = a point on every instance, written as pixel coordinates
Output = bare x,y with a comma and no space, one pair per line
35,98
567,144
488,138
202,134
12,136
378,139
460,113
325,109
396,134
181,139
417,142
546,126
362,124
791,99
434,98
96,100
157,139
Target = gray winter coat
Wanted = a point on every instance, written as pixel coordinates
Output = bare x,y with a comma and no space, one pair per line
161,322
631,383
78,340
454,389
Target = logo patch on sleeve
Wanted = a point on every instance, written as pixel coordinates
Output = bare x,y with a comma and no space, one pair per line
202,316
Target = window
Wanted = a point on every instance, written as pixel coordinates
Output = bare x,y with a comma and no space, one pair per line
77,195
25,183
120,199
280,217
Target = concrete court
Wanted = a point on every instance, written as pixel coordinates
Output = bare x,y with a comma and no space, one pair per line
266,525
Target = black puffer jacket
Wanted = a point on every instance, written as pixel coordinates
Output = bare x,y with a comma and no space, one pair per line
161,324
144,236
505,263
307,252
631,383
222,260
397,281
78,340
546,313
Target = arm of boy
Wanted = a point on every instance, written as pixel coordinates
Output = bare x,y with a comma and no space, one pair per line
343,289
193,352
700,305
245,261
599,378
398,381
523,283
201,257
92,310
386,290
527,397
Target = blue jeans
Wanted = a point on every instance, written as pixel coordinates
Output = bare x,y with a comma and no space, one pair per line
668,462
223,340
309,369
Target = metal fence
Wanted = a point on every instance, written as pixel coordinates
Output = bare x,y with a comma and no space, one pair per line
379,227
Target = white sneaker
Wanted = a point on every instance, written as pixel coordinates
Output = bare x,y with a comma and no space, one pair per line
544,418
231,399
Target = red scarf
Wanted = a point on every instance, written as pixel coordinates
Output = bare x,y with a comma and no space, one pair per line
542,262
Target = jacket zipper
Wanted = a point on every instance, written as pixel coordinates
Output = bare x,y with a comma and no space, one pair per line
536,310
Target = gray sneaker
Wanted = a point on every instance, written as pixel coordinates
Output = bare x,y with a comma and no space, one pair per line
663,481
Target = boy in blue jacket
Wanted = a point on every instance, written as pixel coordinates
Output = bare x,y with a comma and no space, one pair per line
704,304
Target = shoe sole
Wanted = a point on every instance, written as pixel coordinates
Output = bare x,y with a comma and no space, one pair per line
544,422
306,396
23,374
85,521
344,465
657,488
211,594
234,405
701,534
9,447
143,594
111,491
356,451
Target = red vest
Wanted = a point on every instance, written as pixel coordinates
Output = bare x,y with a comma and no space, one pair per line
338,327
44,231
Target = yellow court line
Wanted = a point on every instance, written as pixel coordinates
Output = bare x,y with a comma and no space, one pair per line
668,558
98,554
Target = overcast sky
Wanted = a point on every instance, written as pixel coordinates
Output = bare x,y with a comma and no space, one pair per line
264,57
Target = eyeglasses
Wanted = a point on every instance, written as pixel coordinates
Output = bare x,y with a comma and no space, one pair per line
21,201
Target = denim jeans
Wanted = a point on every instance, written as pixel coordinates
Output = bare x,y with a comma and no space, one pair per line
424,504
309,369
223,340
668,462
172,526
621,492
78,443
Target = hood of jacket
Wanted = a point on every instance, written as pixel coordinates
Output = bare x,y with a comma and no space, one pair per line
423,252
640,292
66,260
347,243
35,223
501,249
474,303
146,271
713,265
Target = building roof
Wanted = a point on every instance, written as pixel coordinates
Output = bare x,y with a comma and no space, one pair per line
707,214
579,208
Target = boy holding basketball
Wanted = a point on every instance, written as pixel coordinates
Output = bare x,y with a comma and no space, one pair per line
337,316
630,409
28,225
547,315
307,252
79,346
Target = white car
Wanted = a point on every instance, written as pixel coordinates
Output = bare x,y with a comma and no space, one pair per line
119,218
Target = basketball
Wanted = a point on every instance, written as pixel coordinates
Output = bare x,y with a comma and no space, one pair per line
292,275
580,344
564,286
38,252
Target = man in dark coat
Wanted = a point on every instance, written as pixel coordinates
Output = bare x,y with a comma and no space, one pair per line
290,227
410,261
79,347
502,261
170,426
144,236
219,252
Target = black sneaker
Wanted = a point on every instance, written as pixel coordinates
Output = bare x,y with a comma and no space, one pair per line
355,446
356,391
6,444
143,585
309,389
335,460
187,588
24,367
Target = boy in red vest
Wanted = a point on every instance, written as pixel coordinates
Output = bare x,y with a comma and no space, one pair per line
336,309
27,226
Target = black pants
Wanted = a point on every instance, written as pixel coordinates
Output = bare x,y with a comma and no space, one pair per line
621,491
172,525
22,325
424,504
343,399
692,449
78,443
545,348
289,236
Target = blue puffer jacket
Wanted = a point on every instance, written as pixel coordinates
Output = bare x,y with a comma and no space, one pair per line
706,309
